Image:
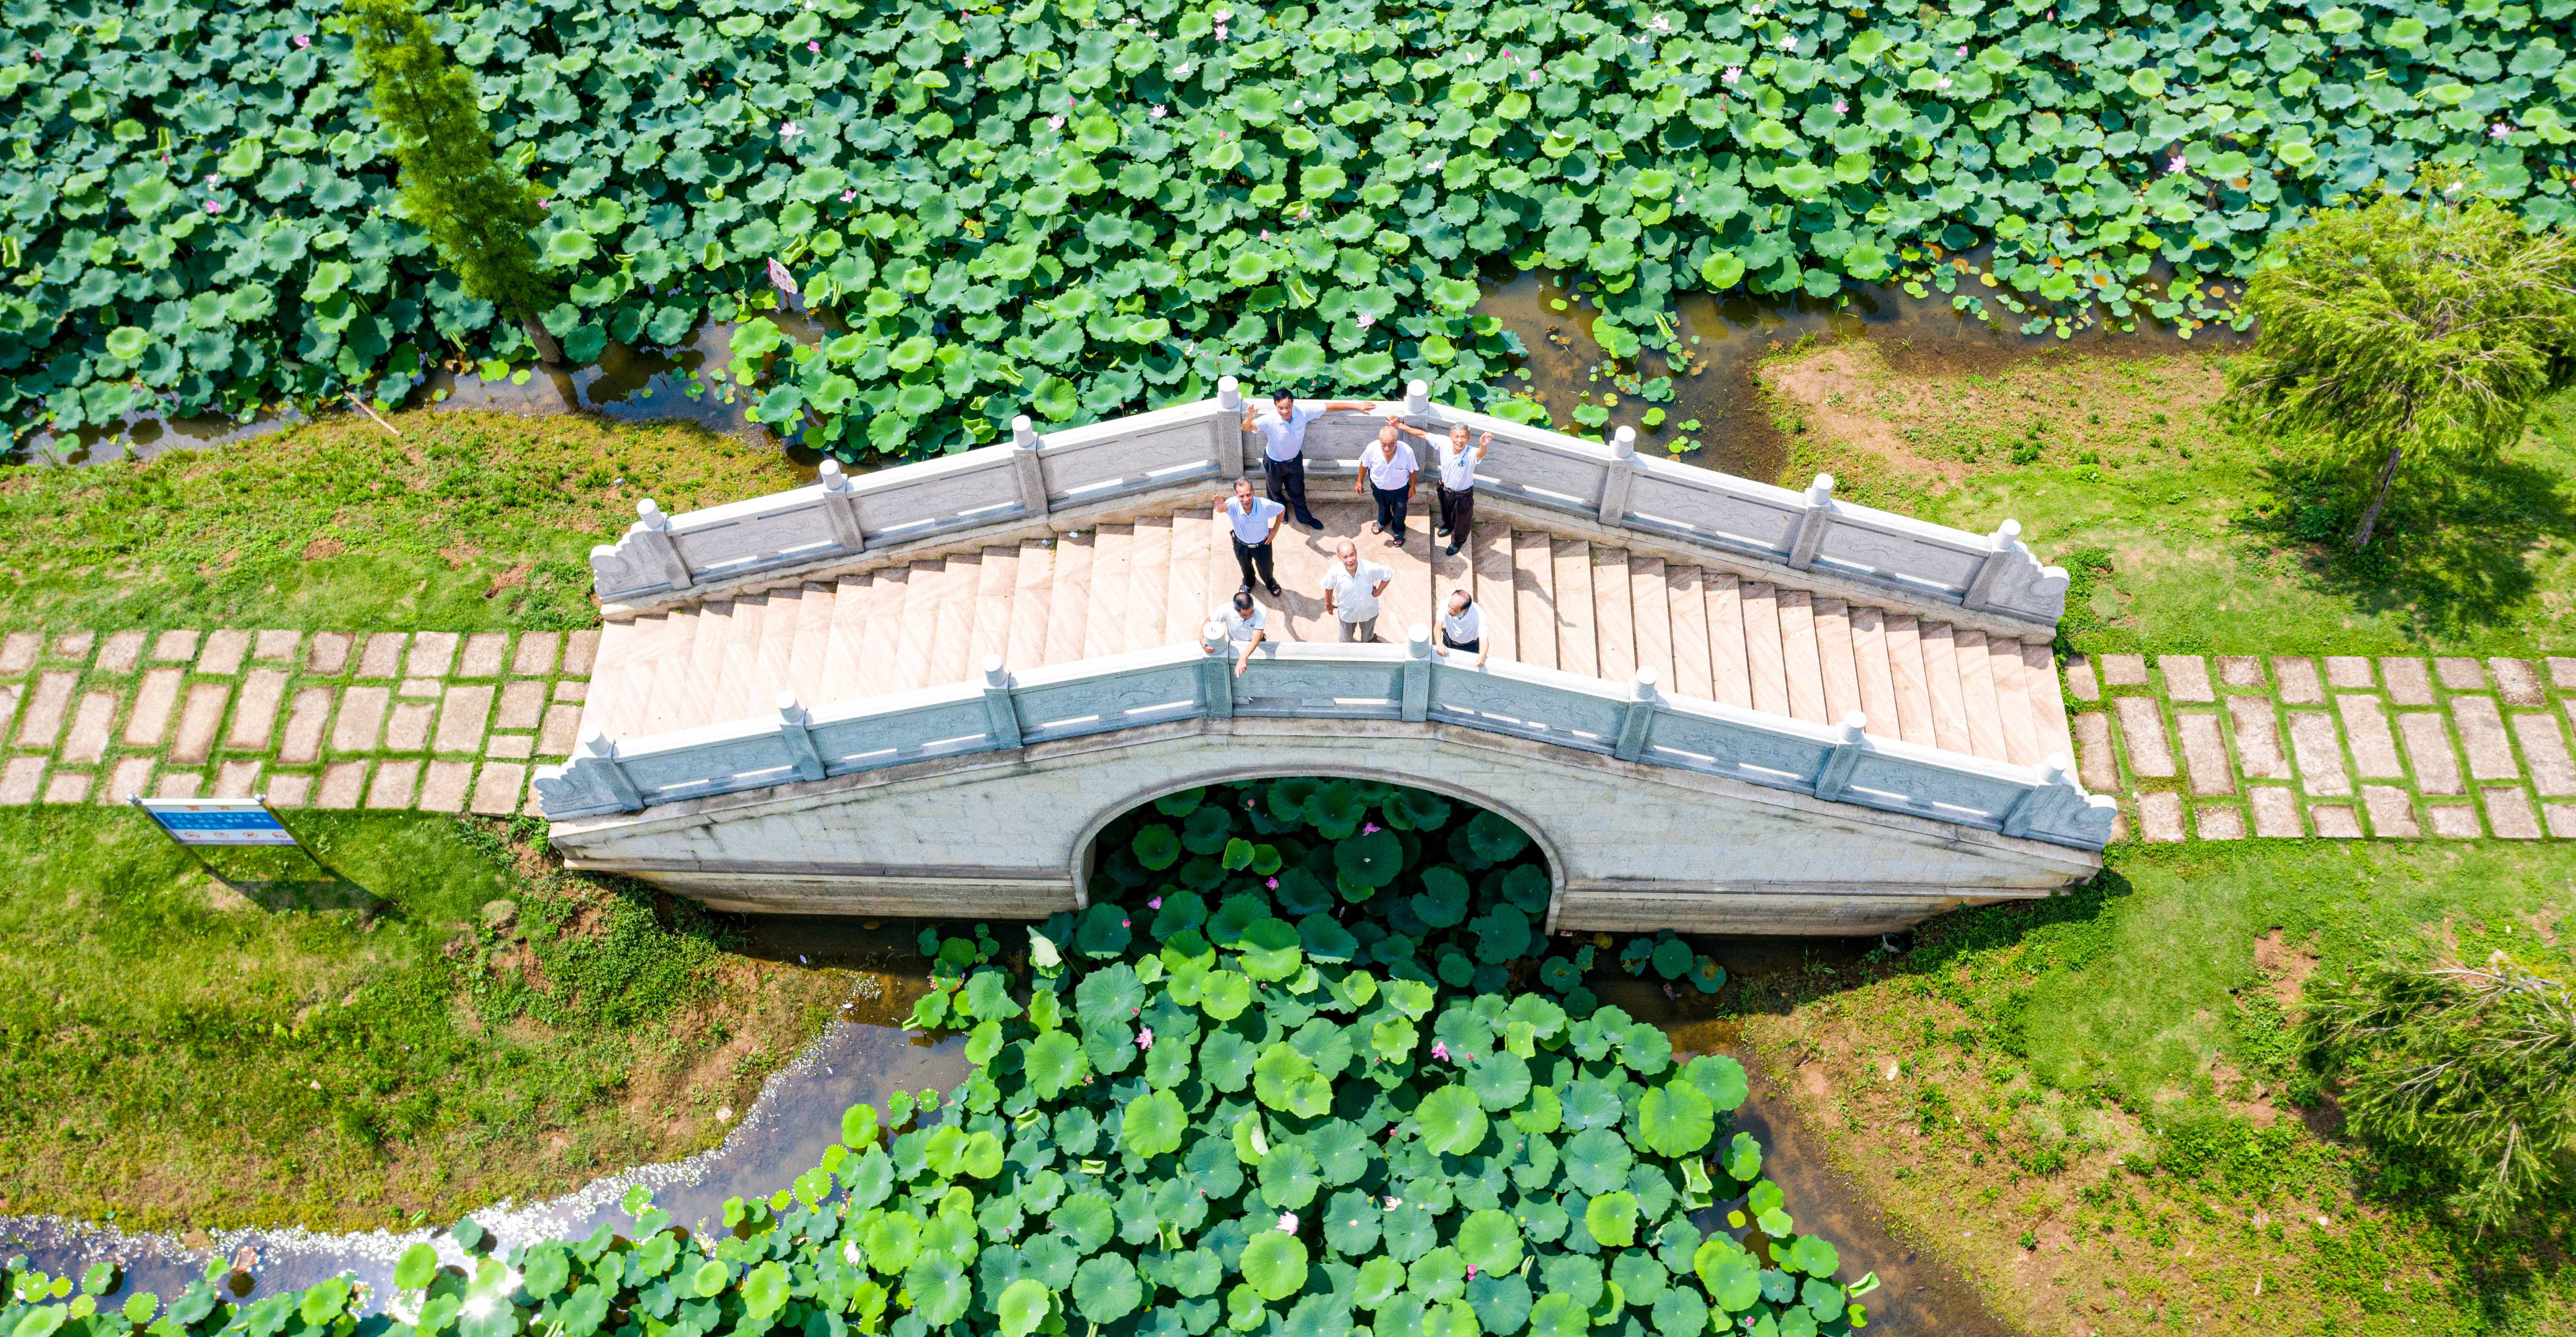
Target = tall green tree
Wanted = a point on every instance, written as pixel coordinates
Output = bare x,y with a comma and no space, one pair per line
478,213
2475,1065
2411,328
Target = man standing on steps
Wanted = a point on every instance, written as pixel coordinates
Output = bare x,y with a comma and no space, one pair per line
1256,522
1283,448
1457,486
1351,590
1386,470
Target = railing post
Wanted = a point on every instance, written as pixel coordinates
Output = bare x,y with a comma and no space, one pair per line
1417,398
1026,468
652,534
1849,742
1812,523
840,505
2052,782
596,756
796,737
1228,442
1637,717
1216,672
1001,713
2002,547
1416,705
1614,483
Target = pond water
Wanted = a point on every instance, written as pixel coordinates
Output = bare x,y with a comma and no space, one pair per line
870,1056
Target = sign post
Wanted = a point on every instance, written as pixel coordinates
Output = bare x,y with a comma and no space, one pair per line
196,822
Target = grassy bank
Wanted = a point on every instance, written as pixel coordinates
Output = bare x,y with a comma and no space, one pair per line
467,521
353,1043
2094,1105
2186,531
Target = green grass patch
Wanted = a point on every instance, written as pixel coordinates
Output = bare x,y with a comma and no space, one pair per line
468,521
350,1040
2188,531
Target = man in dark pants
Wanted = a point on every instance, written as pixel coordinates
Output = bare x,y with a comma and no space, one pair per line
1255,521
1457,487
1386,470
1283,448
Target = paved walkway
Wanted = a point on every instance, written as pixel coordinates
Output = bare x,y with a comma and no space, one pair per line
2343,747
436,721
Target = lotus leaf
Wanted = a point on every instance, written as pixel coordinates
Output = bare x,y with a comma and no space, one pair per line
1452,1121
1597,1160
1274,1264
1371,860
1719,1078
1023,1305
1156,847
1272,949
1675,1120
1500,1080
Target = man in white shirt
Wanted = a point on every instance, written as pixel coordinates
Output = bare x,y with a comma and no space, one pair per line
1255,521
1351,590
1283,448
1386,471
1462,628
1457,487
1247,625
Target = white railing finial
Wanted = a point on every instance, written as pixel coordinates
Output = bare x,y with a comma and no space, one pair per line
2006,535
650,515
1820,491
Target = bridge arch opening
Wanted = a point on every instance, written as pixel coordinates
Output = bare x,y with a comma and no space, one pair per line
1453,885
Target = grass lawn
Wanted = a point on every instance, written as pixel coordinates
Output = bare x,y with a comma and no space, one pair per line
2188,533
2093,1105
469,521
355,1047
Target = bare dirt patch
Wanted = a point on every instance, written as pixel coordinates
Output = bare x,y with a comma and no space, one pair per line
1850,396
2286,965
323,548
515,576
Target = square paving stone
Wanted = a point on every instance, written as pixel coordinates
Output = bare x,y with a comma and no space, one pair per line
2319,753
237,779
131,775
2080,682
484,651
2562,672
2454,821
172,647
92,723
511,747
496,790
562,724
181,784
19,781
2482,736
255,719
574,690
2561,818
2241,670
329,655
2392,812
2460,674
304,723
420,688
2160,817
2204,751
2186,677
432,654
444,791
523,706
153,702
409,729
2347,671
2142,728
462,720
198,721
45,709
122,652
276,647
2123,670
383,656
2335,821
2258,738
2408,682
18,652
224,651
2518,681
290,790
343,784
2219,822
2276,812
2365,726
2092,752
2428,750
2509,814
2544,748
536,657
68,787
362,719
582,647
2299,683
74,646
395,783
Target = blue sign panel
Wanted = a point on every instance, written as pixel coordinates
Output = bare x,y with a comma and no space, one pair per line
217,821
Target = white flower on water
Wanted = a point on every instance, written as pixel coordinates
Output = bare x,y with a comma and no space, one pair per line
1288,1222
1789,43
2499,130
789,130
1733,73
1366,320
1945,82
1055,123
1158,112
2175,164
850,1253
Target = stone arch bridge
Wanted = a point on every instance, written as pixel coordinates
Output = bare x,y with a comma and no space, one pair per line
1717,705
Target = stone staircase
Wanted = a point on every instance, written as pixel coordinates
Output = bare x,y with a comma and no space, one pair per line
1549,600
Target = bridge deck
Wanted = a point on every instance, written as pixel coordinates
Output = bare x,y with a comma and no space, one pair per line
1548,599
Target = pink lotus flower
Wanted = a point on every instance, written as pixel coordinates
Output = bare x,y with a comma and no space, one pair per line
1440,1051
214,206
789,130
2175,164
2499,130
1273,884
1733,73
1288,1222
1154,904
1055,123
1158,112
815,47
1265,234
1839,107
1368,829
1122,923
1145,1037
849,195
302,41
1366,320
1471,1271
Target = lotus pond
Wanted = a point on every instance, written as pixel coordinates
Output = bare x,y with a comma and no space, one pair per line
1075,207
1270,1080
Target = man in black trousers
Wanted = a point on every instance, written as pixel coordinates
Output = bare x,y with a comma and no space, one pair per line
1283,448
1255,521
